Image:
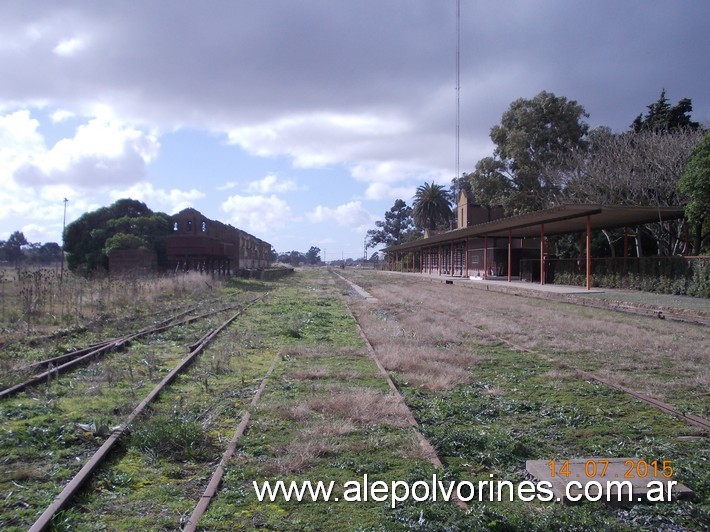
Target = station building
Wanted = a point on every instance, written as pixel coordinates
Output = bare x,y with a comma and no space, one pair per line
489,245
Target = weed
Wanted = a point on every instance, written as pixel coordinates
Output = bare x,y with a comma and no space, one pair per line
176,437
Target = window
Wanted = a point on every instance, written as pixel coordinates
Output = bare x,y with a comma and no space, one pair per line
189,225
203,226
176,227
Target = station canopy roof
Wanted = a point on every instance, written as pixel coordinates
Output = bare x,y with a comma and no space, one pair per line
563,219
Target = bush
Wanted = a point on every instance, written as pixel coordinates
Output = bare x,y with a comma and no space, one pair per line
667,275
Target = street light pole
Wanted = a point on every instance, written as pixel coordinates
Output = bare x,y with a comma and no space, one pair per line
64,226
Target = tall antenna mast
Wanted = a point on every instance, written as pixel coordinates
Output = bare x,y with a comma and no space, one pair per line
458,82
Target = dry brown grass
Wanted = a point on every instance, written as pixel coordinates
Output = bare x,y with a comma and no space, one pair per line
327,420
661,358
43,300
425,352
356,405
299,454
322,372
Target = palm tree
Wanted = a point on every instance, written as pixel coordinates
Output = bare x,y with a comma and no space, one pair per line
431,206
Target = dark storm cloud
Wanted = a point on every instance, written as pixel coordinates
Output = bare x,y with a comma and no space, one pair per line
228,64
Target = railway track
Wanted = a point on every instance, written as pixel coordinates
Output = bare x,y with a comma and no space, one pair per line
691,419
79,480
68,495
63,363
63,500
211,490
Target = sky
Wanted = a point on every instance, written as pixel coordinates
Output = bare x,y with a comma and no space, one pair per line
301,122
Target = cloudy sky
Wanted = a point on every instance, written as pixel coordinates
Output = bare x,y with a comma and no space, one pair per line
302,121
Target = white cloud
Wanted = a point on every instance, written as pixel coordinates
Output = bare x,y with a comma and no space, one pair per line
60,115
390,180
385,191
103,151
271,184
227,186
69,47
20,141
157,199
257,214
318,139
351,215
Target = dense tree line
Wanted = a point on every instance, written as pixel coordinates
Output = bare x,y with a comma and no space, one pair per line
296,258
17,249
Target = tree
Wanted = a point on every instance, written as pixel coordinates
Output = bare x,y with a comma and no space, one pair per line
489,184
431,207
46,253
634,168
126,223
661,117
296,258
292,257
13,247
313,255
695,183
397,227
532,142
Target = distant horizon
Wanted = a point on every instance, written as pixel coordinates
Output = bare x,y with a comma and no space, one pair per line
302,123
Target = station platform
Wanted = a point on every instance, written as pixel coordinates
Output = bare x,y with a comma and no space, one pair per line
683,308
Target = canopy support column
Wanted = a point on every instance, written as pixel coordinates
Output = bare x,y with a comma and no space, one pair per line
589,253
510,255
542,254
466,258
485,257
626,250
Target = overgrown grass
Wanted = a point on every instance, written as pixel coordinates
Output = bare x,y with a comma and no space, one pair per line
48,431
516,405
327,414
45,300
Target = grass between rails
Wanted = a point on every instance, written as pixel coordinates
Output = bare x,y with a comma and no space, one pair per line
663,359
172,450
326,414
518,406
48,431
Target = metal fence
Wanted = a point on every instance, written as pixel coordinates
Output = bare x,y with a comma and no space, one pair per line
674,275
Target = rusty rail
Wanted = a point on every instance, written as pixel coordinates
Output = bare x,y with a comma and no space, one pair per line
80,356
100,455
691,419
216,480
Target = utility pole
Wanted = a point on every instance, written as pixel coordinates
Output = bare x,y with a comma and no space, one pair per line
64,226
458,83
365,256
